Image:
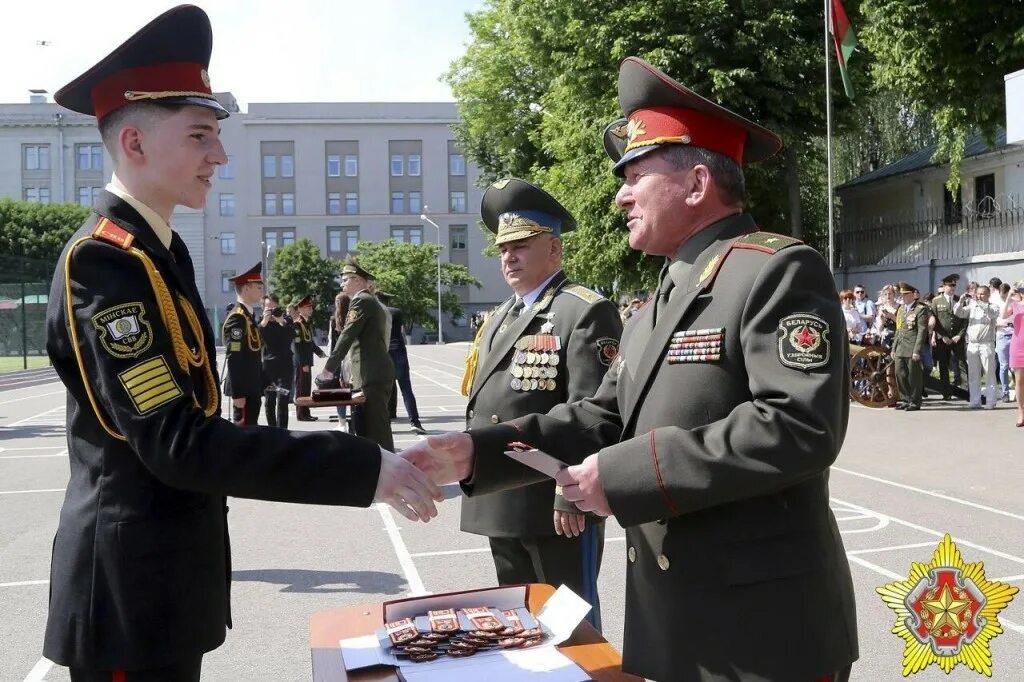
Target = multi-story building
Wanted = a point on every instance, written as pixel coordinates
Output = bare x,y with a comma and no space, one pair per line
333,173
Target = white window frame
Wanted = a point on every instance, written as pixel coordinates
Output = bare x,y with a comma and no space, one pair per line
397,165
226,204
458,168
228,244
287,165
271,170
334,165
269,203
287,203
351,165
414,165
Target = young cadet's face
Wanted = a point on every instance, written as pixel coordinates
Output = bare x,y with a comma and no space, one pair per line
182,152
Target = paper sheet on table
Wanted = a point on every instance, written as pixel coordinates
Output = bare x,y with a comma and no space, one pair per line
509,666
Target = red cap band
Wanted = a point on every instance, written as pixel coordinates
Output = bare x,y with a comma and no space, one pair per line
150,83
676,125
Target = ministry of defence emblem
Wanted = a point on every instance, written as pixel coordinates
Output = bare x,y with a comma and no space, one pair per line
947,612
124,330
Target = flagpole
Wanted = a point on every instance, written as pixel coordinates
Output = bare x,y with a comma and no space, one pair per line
828,133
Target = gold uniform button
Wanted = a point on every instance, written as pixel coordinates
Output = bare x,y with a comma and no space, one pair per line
663,562
631,554
494,419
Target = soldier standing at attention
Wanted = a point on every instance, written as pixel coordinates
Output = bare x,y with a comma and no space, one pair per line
551,342
278,370
949,329
141,570
305,348
242,345
912,320
365,334
400,359
715,427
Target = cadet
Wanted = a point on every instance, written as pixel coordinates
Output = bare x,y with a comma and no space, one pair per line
400,359
278,371
716,425
242,344
549,343
907,347
141,571
949,333
365,333
305,348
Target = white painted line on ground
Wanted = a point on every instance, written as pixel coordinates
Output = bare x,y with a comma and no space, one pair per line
59,454
24,492
412,576
24,583
34,447
39,671
36,416
948,498
894,548
30,397
478,550
446,364
436,382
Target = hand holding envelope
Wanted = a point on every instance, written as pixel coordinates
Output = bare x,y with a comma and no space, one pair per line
581,484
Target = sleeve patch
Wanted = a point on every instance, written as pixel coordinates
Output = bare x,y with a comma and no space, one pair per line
124,331
236,333
235,346
607,350
353,316
803,341
150,384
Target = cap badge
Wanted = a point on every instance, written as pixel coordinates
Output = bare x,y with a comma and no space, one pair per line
619,131
500,184
634,129
205,76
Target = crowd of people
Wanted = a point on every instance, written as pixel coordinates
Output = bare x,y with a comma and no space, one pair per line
974,339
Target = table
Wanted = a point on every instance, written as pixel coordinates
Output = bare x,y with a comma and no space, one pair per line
326,628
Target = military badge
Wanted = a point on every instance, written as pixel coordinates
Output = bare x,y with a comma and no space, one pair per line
236,333
803,341
124,331
607,351
353,316
695,345
634,129
947,611
150,384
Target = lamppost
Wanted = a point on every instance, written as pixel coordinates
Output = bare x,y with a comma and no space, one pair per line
440,325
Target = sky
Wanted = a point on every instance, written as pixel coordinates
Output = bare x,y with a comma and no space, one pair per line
263,50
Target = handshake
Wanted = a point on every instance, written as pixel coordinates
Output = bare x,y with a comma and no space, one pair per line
410,480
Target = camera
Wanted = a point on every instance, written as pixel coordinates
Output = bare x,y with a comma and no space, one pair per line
277,312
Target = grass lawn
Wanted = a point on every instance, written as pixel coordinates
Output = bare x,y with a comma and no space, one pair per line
13,364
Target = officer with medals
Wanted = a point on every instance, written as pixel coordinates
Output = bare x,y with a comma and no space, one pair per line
550,343
304,349
713,432
950,334
140,574
278,370
243,380
907,346
366,334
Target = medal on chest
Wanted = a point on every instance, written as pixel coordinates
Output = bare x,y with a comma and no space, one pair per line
535,362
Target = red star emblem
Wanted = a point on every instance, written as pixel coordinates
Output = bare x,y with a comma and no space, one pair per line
805,337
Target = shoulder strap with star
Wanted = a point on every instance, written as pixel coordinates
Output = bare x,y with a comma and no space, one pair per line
767,242
582,292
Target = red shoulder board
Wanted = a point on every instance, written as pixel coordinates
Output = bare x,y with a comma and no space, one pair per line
767,242
113,234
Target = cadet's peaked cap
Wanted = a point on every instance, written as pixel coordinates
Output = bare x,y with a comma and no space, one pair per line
515,209
352,267
905,288
164,63
661,111
308,300
253,274
951,279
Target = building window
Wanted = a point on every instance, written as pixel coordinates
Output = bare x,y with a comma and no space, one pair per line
287,166
288,203
396,165
456,164
269,166
277,238
90,157
38,195
351,165
351,238
398,202
334,166
414,164
457,236
985,194
410,234
227,244
351,203
334,237
226,171
37,157
270,204
414,202
341,240
457,202
334,203
416,235
87,196
227,204
952,209
225,281
287,237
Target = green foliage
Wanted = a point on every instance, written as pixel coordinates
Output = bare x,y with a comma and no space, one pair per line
947,59
34,230
409,273
298,270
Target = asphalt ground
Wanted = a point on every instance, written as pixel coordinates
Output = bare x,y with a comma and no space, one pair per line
901,481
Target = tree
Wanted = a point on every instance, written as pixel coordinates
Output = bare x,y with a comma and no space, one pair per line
298,270
947,59
409,273
34,230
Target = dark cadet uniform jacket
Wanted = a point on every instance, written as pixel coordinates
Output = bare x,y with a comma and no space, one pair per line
141,570
512,380
365,334
946,323
277,347
715,430
242,354
303,344
911,330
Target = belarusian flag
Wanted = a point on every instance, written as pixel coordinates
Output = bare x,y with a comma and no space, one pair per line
846,41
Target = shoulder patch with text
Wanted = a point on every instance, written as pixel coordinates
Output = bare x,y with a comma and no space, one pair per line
124,330
803,341
607,350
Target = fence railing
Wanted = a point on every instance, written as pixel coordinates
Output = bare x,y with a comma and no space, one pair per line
24,291
923,236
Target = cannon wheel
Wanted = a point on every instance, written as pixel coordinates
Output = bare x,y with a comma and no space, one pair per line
869,384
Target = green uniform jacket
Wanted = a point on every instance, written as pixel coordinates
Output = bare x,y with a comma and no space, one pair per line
141,568
243,342
718,468
946,323
588,328
365,334
911,330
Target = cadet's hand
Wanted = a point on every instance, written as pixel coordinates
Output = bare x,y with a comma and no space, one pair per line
406,488
569,524
238,402
956,339
446,458
915,357
582,484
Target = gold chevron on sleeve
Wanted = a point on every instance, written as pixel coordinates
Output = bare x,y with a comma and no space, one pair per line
150,384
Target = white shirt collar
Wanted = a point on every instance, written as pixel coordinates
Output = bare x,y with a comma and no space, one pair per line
156,223
531,298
